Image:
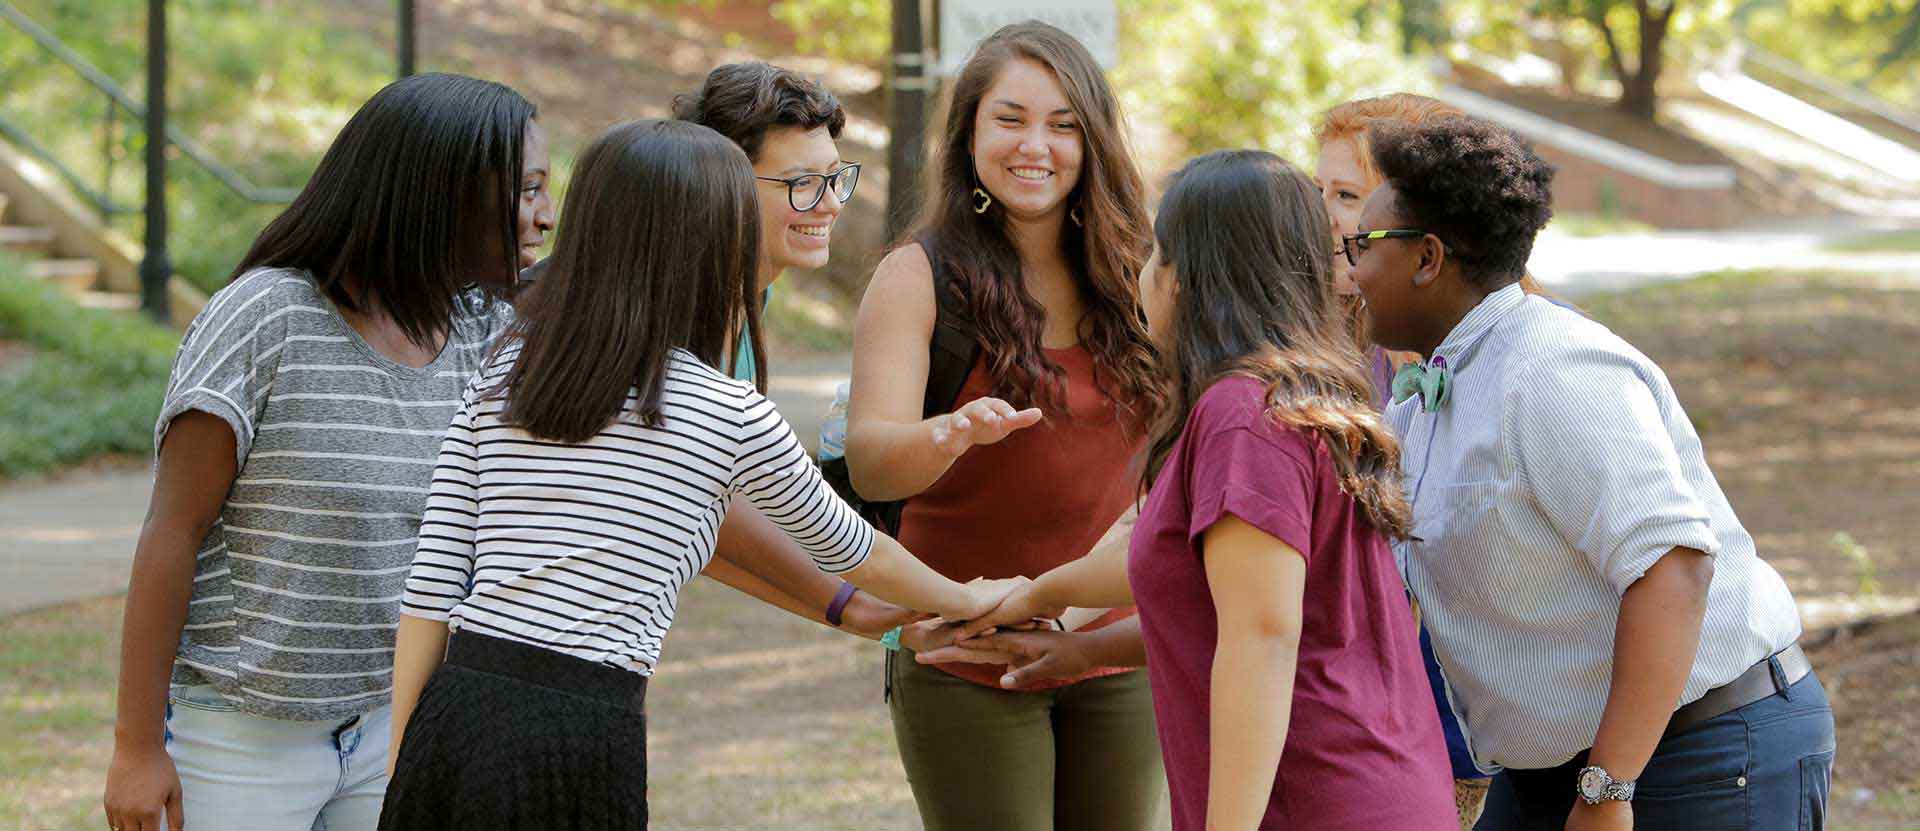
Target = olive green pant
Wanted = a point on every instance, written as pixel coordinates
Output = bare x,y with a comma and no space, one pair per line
1084,756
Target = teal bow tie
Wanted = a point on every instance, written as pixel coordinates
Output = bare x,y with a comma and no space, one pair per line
1433,383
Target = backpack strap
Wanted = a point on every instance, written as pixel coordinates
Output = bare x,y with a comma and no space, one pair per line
951,353
952,350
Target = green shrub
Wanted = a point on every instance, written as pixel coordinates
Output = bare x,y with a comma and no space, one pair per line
91,386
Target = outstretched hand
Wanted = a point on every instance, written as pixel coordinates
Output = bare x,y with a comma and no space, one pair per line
1042,655
980,421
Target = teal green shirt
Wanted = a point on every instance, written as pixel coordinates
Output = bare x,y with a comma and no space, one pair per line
744,368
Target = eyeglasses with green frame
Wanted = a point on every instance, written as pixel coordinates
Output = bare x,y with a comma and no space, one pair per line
1353,245
805,191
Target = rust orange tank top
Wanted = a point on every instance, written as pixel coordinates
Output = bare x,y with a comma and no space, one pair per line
1039,498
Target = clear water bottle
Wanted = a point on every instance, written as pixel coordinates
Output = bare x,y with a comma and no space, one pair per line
833,431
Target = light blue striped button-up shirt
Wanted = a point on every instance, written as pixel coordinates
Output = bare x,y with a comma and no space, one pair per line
1562,468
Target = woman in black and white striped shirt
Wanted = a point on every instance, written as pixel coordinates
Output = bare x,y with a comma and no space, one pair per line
580,487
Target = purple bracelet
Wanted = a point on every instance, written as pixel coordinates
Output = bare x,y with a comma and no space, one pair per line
839,603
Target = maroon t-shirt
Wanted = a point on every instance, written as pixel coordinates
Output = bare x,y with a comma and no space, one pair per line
1364,748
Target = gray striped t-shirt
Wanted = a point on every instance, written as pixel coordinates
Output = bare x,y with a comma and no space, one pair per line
297,590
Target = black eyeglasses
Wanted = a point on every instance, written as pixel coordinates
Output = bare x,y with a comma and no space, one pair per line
1353,245
806,190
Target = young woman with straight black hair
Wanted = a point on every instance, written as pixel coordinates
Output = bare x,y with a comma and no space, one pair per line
583,483
295,445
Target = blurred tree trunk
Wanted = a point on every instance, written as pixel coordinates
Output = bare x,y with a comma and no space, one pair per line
1638,84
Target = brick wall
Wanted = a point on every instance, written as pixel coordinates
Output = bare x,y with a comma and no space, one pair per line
1585,186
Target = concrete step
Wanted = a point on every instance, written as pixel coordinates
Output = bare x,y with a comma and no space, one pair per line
27,239
74,275
113,301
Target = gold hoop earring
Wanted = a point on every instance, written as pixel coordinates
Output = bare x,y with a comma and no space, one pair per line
1074,214
983,201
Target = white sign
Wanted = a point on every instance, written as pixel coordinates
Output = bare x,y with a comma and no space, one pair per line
964,23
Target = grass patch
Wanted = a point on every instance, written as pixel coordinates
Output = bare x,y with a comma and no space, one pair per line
1596,225
56,714
1878,242
91,387
796,318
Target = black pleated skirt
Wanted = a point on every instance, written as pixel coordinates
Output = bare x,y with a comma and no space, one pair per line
512,736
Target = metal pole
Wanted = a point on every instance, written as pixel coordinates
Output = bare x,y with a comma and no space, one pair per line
906,116
154,267
406,38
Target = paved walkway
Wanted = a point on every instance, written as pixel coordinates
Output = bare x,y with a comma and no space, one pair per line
1579,265
72,538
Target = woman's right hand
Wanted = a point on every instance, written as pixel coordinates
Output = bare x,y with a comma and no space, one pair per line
141,785
980,421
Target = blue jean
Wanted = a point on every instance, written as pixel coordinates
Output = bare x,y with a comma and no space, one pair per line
247,773
1762,767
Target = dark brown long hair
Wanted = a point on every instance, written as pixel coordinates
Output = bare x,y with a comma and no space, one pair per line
1104,251
1247,238
659,250
402,200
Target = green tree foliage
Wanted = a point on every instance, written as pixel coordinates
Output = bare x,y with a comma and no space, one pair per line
1206,73
1635,41
858,31
263,84
1251,73
1872,43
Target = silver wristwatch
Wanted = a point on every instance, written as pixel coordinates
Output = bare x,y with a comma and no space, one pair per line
1596,786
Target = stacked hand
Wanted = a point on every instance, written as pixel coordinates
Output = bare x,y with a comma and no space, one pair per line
980,421
1039,655
985,595
1017,610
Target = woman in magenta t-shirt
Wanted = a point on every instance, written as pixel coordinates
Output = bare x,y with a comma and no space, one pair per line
1284,661
1281,651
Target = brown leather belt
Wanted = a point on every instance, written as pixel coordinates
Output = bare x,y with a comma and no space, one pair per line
1778,672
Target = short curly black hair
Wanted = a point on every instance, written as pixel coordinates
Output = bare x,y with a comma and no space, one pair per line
743,100
1472,183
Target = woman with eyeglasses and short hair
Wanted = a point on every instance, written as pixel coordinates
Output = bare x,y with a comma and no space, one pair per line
788,125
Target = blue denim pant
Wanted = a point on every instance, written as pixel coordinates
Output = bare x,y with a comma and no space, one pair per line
1763,767
247,773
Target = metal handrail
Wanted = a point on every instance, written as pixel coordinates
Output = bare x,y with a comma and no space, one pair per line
117,97
98,199
1849,93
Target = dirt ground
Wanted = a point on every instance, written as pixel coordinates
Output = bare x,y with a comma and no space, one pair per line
1806,391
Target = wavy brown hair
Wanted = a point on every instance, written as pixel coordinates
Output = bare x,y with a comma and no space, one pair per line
1104,251
1247,238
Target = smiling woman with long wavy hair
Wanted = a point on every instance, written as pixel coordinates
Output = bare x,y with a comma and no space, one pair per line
1033,234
